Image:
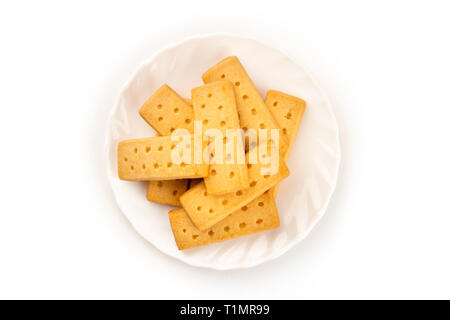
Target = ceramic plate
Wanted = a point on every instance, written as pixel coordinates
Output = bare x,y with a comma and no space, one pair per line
303,197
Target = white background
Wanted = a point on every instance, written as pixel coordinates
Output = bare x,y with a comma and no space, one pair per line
386,68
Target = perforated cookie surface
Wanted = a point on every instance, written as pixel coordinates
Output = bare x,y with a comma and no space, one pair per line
288,112
205,210
215,106
258,215
167,191
252,110
151,159
166,111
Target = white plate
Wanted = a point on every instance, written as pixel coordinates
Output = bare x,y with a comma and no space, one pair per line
314,161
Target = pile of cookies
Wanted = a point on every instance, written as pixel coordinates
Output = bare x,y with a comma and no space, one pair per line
218,201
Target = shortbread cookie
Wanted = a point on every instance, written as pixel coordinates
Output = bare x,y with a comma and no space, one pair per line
258,215
166,111
167,192
252,110
151,159
215,106
205,210
288,112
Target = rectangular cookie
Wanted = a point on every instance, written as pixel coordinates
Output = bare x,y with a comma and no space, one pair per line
259,215
288,112
215,106
206,210
166,111
167,192
252,110
151,159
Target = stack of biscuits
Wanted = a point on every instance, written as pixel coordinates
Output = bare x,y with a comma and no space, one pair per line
216,200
